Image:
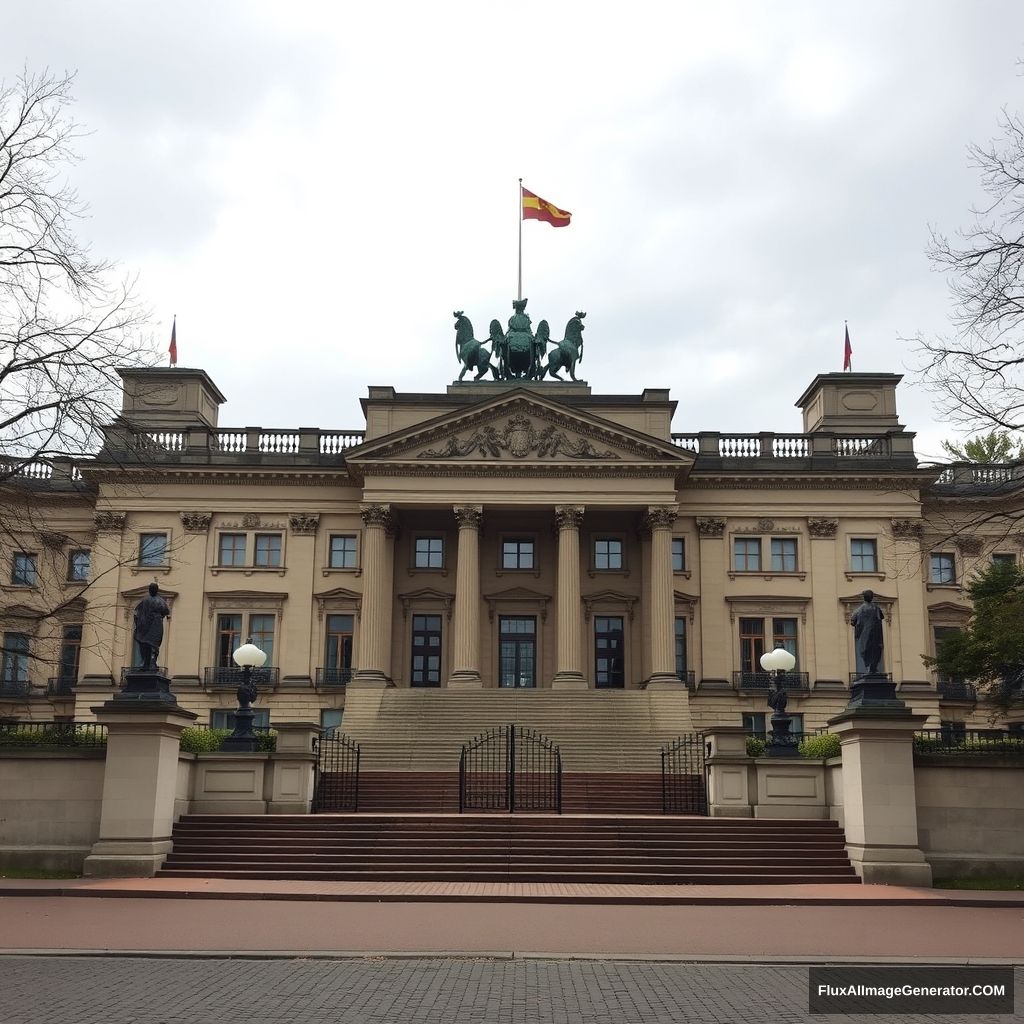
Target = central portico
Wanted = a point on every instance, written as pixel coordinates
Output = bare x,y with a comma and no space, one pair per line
510,529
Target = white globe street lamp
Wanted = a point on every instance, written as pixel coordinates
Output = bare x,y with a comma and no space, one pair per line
781,743
242,738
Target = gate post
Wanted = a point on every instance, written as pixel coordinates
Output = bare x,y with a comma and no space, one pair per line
728,772
291,778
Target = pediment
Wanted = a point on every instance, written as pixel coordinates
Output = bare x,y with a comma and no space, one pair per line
138,593
519,429
949,608
426,597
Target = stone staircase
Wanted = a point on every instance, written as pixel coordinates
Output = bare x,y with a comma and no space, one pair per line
510,848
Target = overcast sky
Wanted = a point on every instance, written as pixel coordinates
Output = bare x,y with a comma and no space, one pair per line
314,187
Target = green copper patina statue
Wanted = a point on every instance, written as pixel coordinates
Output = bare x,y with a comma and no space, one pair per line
519,353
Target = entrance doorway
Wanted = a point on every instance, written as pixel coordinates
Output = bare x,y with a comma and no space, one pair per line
609,657
517,651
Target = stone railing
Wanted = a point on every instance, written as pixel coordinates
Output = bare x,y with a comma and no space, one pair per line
709,445
980,474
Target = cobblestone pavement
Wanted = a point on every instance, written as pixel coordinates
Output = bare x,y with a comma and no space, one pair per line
83,990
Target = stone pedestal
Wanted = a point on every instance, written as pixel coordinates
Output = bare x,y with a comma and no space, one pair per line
729,771
879,796
139,783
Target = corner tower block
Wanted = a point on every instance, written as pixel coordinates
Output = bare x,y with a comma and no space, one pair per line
851,403
169,397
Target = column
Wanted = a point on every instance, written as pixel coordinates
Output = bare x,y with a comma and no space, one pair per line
716,641
658,521
374,668
466,627
569,654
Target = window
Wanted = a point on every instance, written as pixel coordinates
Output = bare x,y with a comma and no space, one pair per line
78,566
268,550
232,549
681,648
14,665
751,644
678,554
517,554
783,554
70,651
1004,558
153,549
24,570
343,552
517,651
429,553
784,636
942,568
226,719
754,722
607,553
609,652
746,554
863,555
330,718
338,649
230,636
426,650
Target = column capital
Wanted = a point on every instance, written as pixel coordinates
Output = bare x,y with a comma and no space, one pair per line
710,526
469,517
378,515
569,517
659,517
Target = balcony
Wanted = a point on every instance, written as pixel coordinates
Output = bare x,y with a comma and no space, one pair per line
61,686
329,678
760,682
15,688
217,677
957,689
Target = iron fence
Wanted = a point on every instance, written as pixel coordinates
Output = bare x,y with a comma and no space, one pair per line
683,779
53,735
957,689
224,676
968,741
333,676
510,768
792,682
337,773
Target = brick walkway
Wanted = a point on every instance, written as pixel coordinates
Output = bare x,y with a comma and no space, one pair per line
90,991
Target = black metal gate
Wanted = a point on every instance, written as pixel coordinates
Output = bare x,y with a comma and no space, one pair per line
510,768
337,773
684,787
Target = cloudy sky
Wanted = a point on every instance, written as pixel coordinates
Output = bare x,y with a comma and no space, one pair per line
313,187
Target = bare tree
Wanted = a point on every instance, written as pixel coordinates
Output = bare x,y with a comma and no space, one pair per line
66,321
977,374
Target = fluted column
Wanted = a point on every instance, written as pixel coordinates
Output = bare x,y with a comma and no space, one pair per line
569,654
466,626
660,601
378,582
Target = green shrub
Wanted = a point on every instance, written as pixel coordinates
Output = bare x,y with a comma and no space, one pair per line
202,741
755,747
51,735
266,742
826,745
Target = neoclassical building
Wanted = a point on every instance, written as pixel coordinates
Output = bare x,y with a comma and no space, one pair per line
523,535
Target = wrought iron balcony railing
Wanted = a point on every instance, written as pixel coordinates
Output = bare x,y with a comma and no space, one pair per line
61,686
15,688
957,689
334,676
222,676
792,682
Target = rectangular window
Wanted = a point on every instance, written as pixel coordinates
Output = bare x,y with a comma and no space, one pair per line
1004,558
78,566
751,644
232,549
330,718
229,639
14,665
261,632
754,722
338,650
24,570
607,553
863,555
517,554
226,719
678,554
426,650
70,652
153,549
268,550
609,652
746,554
783,554
784,636
681,647
429,553
343,552
943,568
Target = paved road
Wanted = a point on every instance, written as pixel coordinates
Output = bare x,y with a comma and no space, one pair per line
78,990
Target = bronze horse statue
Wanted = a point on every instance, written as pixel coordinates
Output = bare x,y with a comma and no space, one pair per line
569,351
471,353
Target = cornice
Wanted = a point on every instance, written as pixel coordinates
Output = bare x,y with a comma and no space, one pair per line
244,477
520,469
774,482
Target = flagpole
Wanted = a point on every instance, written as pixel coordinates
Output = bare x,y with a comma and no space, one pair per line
520,289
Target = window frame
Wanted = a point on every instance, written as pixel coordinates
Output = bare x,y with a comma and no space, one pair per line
425,651
428,539
279,551
331,538
519,539
873,541
241,556
31,561
14,663
595,633
681,567
784,555
933,566
607,538
1004,558
753,547
72,576
248,560
145,560
243,634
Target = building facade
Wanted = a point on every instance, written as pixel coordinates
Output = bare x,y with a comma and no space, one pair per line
496,535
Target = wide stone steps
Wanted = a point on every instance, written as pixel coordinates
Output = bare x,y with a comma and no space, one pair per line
507,848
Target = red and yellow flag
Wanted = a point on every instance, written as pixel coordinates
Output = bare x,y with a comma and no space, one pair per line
535,208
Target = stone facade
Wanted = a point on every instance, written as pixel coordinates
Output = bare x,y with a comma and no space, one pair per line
530,534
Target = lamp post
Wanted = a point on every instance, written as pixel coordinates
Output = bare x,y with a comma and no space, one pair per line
781,742
243,739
